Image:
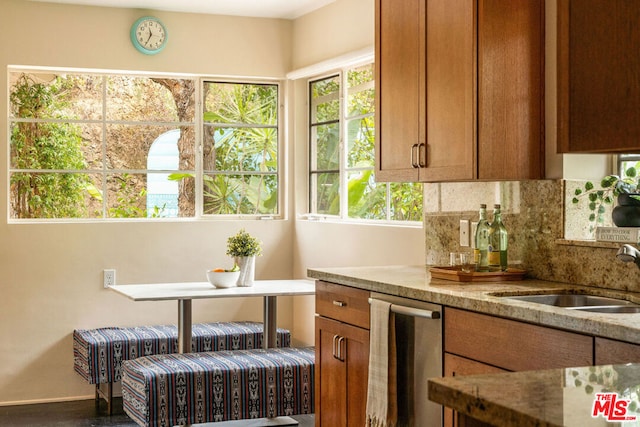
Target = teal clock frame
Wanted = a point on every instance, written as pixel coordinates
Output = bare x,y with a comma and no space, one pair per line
134,39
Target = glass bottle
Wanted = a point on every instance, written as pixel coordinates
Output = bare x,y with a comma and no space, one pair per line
481,239
498,240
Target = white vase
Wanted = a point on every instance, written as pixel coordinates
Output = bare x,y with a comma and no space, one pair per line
247,266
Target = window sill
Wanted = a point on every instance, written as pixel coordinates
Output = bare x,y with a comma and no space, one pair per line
589,243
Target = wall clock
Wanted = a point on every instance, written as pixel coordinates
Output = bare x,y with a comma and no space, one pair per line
149,35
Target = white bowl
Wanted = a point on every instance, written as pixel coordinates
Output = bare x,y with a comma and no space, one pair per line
223,279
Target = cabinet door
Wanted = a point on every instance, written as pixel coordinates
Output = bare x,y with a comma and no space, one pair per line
510,89
399,83
598,83
455,365
342,361
451,102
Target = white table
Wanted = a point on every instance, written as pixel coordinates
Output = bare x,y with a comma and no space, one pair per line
185,292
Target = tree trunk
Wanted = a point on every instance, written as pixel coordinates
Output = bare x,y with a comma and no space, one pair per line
183,92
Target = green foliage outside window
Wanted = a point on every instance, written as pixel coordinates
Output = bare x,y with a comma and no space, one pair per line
366,199
241,139
46,146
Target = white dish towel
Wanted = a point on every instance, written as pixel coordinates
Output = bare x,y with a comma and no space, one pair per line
382,407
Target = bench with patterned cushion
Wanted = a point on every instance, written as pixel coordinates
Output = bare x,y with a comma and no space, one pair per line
98,353
179,389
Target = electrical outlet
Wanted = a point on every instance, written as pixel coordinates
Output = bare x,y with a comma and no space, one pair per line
464,233
109,277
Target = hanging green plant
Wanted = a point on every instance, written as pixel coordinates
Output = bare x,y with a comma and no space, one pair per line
611,186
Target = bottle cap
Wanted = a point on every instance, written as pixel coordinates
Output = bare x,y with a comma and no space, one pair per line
496,206
483,206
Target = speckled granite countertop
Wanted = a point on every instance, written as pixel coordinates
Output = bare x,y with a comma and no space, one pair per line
415,282
556,397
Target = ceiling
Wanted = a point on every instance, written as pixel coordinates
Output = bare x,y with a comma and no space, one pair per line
286,9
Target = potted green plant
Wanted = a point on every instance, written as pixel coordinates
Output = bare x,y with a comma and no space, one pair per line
244,248
625,188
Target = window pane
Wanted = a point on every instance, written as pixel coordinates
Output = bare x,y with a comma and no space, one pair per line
366,198
325,100
325,147
128,146
406,201
361,142
240,194
234,103
241,149
55,195
55,145
361,91
326,187
56,96
150,100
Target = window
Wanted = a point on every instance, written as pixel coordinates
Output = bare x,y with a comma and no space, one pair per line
94,145
626,161
342,139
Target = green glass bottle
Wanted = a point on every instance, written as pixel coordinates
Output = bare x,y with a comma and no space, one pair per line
498,241
481,239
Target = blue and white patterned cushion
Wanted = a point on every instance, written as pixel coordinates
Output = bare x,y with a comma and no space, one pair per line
178,389
98,353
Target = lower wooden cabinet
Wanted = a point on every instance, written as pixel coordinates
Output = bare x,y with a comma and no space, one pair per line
342,355
476,343
456,365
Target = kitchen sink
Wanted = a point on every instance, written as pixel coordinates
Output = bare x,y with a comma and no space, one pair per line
581,302
612,309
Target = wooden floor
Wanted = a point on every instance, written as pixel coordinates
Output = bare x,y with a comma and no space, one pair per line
83,413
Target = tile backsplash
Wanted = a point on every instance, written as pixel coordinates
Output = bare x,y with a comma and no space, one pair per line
547,232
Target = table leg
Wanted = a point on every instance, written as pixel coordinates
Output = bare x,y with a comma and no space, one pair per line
270,328
184,326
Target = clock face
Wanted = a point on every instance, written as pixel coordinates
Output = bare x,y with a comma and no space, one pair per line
148,35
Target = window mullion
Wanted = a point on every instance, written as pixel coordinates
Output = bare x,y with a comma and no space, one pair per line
344,178
199,150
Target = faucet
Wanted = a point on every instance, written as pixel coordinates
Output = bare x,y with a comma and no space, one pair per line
628,253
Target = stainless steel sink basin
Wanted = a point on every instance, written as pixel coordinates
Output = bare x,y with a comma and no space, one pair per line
591,303
571,300
612,309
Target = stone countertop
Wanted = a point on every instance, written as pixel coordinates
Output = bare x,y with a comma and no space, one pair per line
486,297
556,397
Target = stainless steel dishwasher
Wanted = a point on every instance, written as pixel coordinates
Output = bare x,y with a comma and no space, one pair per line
419,354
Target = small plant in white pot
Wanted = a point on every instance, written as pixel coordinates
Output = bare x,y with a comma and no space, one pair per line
244,248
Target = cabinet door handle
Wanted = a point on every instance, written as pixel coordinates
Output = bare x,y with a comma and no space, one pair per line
339,303
415,152
340,341
334,350
422,159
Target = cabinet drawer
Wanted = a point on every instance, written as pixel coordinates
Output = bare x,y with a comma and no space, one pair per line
611,352
513,345
349,305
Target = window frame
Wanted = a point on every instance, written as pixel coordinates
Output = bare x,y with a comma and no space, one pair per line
343,170
198,123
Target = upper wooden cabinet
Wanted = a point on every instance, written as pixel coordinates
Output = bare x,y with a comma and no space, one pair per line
459,87
598,76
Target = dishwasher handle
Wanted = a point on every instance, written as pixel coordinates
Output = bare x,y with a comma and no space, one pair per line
415,312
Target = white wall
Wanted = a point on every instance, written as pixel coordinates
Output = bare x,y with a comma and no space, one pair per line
51,274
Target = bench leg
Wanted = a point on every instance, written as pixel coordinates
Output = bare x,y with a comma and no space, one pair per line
108,397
